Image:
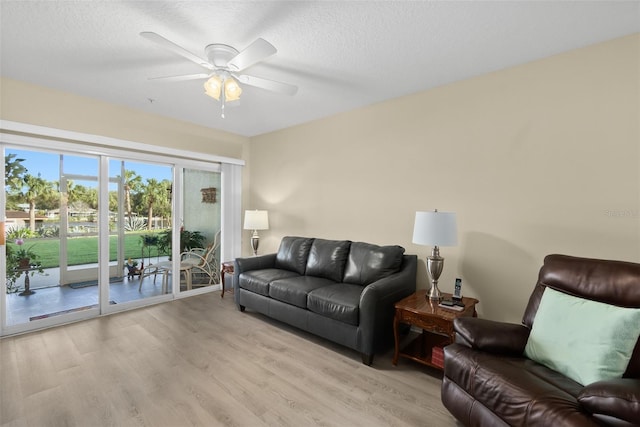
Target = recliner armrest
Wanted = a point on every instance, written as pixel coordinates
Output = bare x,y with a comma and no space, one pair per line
619,398
491,336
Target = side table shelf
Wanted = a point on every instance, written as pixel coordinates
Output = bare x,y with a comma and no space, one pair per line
420,349
436,324
227,268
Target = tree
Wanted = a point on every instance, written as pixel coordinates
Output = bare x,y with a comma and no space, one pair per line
131,182
87,196
154,193
36,187
113,201
13,172
50,200
163,207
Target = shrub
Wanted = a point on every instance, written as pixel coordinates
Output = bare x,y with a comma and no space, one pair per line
134,223
49,231
17,232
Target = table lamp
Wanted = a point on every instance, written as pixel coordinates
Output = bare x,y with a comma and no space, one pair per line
256,220
435,229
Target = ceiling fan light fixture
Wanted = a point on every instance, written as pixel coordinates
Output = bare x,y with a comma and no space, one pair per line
213,87
232,89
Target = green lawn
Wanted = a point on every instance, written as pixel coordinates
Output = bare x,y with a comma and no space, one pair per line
84,250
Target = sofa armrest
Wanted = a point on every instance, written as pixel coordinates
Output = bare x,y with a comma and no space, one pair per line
247,264
619,398
491,336
254,263
377,303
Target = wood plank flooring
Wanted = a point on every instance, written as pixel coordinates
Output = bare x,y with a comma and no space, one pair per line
200,362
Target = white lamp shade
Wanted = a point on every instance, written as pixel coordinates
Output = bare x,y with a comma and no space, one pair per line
256,220
435,229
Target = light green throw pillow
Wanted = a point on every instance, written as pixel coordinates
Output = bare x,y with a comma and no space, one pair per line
585,340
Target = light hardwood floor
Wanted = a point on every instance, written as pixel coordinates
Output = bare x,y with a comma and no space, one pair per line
200,362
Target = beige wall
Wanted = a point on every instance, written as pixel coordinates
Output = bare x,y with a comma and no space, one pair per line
37,105
537,159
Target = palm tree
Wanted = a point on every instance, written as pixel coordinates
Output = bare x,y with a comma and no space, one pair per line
154,194
36,187
86,196
163,208
13,171
131,182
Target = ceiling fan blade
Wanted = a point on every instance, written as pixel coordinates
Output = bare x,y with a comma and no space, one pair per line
169,45
271,85
256,52
181,78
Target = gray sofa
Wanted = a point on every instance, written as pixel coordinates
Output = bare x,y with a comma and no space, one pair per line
340,290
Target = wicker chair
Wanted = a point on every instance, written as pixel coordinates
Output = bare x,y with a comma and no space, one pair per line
203,261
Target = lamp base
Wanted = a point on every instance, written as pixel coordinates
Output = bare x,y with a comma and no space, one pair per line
255,242
434,293
435,264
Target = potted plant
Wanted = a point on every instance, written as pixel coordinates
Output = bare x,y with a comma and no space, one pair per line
21,260
132,268
13,273
25,255
188,240
148,241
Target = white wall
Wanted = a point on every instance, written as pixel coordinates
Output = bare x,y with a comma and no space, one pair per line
537,159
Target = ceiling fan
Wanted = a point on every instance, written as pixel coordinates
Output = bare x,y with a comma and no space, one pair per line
225,66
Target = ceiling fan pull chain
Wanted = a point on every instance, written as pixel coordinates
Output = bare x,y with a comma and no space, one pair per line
222,107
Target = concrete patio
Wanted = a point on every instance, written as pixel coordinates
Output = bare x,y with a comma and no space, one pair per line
50,298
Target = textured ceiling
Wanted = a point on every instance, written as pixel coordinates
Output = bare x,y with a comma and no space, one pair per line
341,55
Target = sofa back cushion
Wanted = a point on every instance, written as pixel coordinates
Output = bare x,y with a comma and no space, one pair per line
327,258
368,263
293,253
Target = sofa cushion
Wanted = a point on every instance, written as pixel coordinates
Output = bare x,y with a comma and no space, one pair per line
294,290
327,259
293,253
368,263
258,280
586,340
339,301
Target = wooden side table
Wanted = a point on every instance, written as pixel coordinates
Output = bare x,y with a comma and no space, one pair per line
436,324
227,268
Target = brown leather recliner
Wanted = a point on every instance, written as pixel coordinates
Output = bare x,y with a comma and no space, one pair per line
489,382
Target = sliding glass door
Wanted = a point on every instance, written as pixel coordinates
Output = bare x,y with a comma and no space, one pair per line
94,231
52,216
51,220
200,233
139,229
